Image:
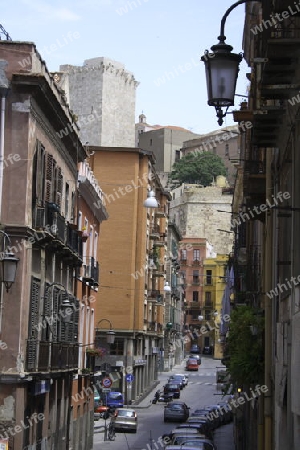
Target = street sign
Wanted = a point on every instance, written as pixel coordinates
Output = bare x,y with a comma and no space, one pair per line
129,377
106,382
105,390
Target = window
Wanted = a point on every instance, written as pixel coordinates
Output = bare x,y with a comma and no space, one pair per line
150,142
195,296
207,298
196,255
208,277
117,347
195,276
207,314
67,193
183,255
177,155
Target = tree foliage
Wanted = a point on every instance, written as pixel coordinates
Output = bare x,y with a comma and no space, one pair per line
244,351
200,168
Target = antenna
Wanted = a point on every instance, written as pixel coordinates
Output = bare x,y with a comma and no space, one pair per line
5,33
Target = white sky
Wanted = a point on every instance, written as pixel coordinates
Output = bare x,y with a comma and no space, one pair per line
159,41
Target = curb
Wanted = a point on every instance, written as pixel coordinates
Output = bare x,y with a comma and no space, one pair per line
136,403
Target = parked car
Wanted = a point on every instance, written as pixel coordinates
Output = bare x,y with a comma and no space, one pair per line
207,350
195,349
125,419
195,442
207,427
192,364
172,388
199,446
100,411
176,411
178,379
202,428
195,356
114,399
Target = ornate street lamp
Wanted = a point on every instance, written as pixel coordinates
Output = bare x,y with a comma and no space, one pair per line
221,68
8,263
110,334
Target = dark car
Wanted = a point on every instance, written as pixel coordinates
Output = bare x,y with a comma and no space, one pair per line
172,388
176,411
195,349
207,350
177,379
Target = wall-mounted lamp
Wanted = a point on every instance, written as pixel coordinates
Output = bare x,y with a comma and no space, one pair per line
221,68
200,318
110,334
151,201
8,263
216,313
167,287
65,306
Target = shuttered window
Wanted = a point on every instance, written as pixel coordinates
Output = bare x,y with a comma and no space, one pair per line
34,316
38,173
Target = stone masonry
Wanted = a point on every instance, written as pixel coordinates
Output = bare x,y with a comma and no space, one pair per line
101,94
194,210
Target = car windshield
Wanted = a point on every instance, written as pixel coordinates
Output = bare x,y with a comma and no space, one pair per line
125,413
175,407
115,395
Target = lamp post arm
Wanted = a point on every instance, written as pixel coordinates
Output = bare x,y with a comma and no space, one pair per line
107,320
5,237
222,36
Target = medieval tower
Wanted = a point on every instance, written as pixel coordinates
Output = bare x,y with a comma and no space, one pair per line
101,94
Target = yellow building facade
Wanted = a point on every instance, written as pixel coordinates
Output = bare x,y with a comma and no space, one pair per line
214,283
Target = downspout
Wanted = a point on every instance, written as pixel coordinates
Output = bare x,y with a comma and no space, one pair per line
268,312
4,89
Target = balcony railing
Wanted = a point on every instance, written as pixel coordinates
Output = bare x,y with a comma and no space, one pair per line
53,356
255,167
91,271
155,295
154,232
159,271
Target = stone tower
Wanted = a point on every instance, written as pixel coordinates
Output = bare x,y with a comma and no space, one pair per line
101,94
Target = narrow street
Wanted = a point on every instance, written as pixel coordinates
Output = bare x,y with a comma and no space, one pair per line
201,391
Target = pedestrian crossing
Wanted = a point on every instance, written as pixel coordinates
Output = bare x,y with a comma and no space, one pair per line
202,374
203,383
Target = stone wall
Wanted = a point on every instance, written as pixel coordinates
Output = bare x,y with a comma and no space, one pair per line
194,210
102,95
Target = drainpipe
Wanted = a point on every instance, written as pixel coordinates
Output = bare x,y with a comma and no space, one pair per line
2,131
4,89
268,312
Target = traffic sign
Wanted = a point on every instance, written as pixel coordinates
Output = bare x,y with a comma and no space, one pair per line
106,382
104,390
129,377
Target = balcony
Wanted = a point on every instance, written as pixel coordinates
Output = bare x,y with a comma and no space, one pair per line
159,271
52,356
161,242
160,212
91,271
155,296
194,305
154,232
196,262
